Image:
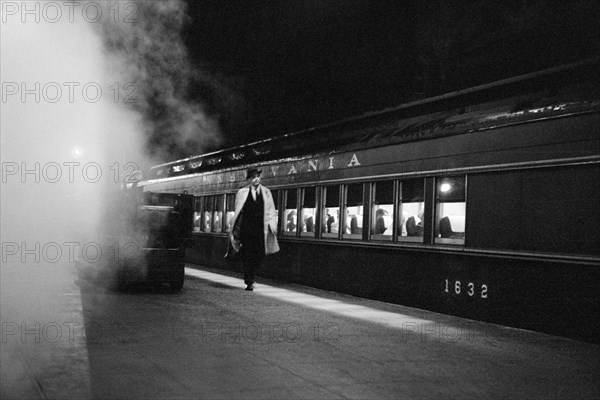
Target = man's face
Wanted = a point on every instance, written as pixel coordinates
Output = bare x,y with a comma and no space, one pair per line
255,180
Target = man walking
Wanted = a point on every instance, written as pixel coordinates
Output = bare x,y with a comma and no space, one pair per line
255,219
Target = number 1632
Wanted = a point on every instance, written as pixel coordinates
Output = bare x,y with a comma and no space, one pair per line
469,288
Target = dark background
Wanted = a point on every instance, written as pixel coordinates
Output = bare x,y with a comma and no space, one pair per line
282,66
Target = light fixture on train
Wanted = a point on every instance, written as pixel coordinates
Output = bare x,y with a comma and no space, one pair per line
445,187
195,164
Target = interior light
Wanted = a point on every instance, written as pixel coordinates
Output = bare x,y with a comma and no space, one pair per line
445,187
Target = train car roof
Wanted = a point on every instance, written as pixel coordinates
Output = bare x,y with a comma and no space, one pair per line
562,91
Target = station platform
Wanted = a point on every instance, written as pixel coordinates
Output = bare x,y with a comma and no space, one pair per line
214,340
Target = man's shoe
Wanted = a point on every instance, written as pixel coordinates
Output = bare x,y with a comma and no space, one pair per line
249,288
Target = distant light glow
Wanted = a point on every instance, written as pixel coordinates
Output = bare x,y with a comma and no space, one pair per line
445,187
77,152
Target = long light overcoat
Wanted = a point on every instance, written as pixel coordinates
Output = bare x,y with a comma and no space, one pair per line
269,215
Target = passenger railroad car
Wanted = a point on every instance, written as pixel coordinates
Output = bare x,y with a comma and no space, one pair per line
482,203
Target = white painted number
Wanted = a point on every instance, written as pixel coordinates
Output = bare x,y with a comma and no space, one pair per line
470,288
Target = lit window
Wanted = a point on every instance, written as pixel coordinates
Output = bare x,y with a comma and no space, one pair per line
382,219
412,206
290,213
450,210
275,194
331,213
353,212
209,202
217,215
230,211
307,211
197,213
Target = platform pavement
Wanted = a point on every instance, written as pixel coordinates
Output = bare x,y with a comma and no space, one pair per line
215,340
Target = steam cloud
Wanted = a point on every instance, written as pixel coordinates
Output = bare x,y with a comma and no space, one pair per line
148,50
84,102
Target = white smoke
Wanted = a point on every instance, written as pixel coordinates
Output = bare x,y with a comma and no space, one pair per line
59,142
91,91
146,48
87,98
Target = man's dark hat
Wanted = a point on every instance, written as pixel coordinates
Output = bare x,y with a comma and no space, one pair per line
252,171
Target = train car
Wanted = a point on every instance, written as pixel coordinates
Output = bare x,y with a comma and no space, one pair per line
481,203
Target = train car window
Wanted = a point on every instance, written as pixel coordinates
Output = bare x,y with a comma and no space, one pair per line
382,218
217,215
353,212
412,206
291,212
229,210
308,206
450,210
275,194
209,203
197,214
331,213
